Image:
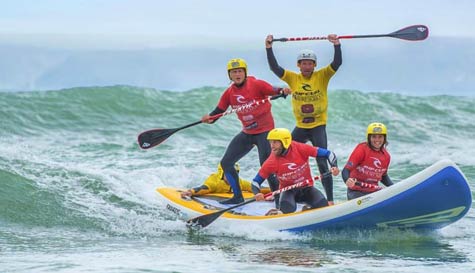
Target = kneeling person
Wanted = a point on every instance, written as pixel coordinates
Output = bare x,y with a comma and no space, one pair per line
217,183
289,161
368,163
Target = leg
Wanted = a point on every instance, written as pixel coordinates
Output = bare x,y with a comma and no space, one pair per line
237,148
264,150
319,139
326,176
300,135
287,202
312,197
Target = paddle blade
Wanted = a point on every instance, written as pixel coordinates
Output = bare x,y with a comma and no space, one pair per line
412,33
204,220
152,138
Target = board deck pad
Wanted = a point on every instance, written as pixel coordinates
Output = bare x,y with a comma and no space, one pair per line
254,208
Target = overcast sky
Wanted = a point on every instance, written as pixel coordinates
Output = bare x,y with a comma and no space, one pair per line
153,23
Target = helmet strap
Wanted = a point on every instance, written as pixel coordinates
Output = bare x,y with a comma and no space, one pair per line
284,150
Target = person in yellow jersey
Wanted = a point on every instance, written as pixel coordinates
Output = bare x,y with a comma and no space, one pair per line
310,99
217,183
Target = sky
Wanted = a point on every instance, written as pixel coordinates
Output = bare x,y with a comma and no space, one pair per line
155,24
54,44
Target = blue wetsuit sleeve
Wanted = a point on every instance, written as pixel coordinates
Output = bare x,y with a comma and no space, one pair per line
386,180
273,65
337,59
256,184
323,152
330,156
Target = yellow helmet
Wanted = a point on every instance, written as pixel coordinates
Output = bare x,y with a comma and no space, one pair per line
237,63
376,128
281,134
221,171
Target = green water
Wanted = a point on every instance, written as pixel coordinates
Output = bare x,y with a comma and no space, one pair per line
77,194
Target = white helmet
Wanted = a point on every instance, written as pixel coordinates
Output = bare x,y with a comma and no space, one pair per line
307,54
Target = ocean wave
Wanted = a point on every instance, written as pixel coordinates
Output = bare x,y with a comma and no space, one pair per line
70,157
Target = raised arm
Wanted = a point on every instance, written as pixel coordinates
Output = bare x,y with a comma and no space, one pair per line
337,59
273,65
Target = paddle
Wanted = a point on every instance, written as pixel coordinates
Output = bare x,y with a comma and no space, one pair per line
410,33
154,137
204,220
367,185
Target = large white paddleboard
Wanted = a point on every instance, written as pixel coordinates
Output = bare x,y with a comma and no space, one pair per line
430,199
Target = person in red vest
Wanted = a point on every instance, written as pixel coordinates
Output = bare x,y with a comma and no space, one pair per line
368,163
256,121
290,162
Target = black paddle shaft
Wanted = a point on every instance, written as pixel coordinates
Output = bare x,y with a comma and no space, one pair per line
410,33
154,137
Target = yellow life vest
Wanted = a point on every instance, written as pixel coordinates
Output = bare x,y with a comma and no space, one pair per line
217,185
309,96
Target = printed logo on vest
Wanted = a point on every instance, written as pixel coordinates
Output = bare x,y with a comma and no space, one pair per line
306,87
376,162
